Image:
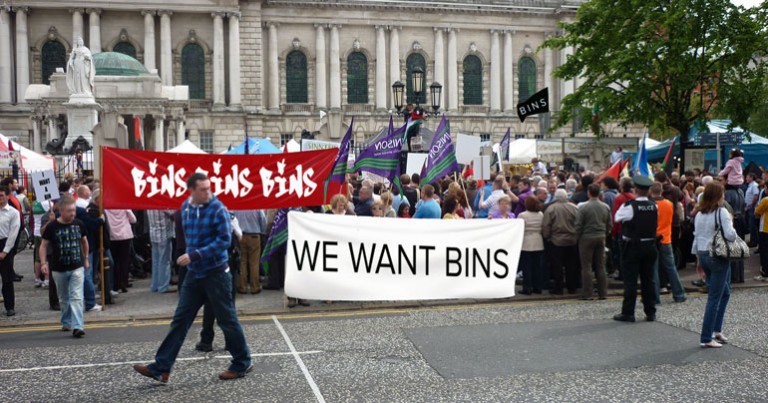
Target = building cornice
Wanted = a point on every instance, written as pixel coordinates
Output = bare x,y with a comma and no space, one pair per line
542,7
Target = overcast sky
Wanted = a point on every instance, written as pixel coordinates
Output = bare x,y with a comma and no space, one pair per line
747,3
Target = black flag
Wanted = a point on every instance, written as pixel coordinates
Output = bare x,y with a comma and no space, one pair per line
535,104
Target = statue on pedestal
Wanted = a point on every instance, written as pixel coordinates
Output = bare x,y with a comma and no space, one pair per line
80,70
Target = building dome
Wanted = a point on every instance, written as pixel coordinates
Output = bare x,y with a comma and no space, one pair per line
117,64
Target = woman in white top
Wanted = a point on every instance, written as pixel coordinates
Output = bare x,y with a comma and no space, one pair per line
533,247
718,271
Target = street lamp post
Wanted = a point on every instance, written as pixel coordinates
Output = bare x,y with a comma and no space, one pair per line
417,83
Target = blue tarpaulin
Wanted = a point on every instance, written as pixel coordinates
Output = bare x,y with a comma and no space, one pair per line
256,146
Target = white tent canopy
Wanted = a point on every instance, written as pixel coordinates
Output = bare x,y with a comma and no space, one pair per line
187,147
522,151
30,160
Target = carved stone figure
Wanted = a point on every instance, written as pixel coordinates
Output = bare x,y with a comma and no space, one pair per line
80,70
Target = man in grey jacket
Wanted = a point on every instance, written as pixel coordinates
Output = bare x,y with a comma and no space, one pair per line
559,229
593,225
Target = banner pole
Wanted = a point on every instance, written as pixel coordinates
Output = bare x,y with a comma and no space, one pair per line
101,230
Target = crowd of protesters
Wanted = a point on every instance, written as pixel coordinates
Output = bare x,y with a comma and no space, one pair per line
573,242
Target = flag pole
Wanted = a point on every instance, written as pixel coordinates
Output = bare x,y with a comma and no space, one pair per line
101,231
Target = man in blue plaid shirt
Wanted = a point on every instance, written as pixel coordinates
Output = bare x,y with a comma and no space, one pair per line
208,232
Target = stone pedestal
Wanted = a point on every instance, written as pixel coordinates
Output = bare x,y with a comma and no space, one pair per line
334,124
82,116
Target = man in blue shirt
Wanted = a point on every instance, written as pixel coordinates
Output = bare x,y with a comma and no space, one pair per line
429,207
363,202
208,234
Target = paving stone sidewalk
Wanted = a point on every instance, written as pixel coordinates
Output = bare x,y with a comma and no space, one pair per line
139,303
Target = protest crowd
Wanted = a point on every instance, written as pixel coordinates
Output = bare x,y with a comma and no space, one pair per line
581,229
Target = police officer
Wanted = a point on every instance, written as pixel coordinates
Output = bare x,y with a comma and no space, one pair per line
638,235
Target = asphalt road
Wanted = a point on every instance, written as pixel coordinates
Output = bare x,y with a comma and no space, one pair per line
539,351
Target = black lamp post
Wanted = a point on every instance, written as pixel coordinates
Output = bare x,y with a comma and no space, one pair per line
435,90
398,90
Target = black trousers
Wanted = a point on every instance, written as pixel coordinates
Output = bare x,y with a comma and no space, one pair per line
638,261
206,334
7,274
276,274
568,257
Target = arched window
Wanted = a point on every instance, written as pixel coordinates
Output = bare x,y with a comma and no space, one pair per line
357,78
526,78
473,80
413,61
125,48
193,70
53,55
296,78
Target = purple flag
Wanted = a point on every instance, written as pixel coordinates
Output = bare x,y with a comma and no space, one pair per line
504,145
277,237
441,159
383,157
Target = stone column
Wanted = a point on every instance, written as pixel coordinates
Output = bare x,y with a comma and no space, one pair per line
495,72
335,62
159,136
22,54
234,59
274,69
166,58
439,60
94,29
381,68
218,59
53,130
6,77
36,120
394,58
453,72
321,78
509,75
180,131
548,79
149,39
77,23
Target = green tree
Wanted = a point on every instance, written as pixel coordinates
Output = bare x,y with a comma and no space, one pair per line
664,63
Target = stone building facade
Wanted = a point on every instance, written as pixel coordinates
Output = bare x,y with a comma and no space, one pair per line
271,66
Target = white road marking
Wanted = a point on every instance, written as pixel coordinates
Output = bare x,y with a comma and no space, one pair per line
114,364
303,367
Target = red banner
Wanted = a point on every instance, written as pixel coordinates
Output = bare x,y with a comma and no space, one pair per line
146,180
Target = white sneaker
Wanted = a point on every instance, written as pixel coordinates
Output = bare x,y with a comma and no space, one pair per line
96,308
663,290
113,293
760,278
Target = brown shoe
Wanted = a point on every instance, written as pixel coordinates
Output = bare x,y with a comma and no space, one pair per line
230,375
256,291
144,370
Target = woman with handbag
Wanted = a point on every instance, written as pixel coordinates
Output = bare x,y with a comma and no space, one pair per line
713,221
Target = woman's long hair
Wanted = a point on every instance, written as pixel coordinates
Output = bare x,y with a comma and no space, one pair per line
712,199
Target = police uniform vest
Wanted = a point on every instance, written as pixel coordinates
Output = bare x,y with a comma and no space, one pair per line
642,226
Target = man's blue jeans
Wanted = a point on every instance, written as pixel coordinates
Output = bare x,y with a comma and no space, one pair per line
216,289
667,262
718,273
161,265
89,291
69,285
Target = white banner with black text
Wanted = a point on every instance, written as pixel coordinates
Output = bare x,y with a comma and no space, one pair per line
349,258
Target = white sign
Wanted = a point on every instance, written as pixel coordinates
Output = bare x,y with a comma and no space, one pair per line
415,163
482,167
45,186
310,145
350,258
467,148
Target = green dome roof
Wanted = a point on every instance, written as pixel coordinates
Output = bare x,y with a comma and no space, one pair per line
117,64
